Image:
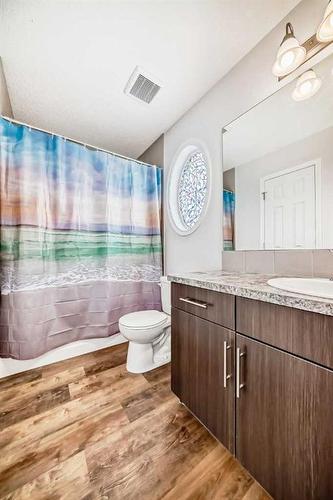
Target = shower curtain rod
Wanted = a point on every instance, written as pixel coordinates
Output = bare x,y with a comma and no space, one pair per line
11,120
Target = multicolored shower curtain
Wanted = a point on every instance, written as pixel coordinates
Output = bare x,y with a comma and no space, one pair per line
80,240
228,219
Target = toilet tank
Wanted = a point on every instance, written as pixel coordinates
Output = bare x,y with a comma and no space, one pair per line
166,294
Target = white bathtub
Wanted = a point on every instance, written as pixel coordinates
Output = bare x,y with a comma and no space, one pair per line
10,366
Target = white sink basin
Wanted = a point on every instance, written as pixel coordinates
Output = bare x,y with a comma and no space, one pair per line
307,286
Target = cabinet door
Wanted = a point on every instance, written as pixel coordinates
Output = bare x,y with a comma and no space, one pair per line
199,358
284,416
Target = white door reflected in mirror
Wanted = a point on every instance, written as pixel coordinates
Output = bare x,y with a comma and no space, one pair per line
289,218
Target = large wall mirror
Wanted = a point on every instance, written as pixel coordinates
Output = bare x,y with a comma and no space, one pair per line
278,169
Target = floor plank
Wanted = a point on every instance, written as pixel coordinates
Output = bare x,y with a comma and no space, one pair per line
156,469
69,480
136,438
13,395
161,374
29,405
19,378
112,378
25,464
217,476
85,428
142,403
86,360
38,426
118,358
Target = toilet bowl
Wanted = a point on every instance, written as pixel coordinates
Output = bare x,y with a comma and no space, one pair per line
148,333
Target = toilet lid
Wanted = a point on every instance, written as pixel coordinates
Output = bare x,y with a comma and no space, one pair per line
143,319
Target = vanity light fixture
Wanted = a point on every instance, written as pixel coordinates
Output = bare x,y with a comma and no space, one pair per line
307,86
290,54
325,29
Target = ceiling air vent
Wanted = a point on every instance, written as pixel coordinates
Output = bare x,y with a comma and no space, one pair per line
142,85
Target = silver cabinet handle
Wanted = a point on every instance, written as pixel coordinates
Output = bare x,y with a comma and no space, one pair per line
239,384
226,375
193,302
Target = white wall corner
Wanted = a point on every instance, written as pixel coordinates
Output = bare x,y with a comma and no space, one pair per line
5,104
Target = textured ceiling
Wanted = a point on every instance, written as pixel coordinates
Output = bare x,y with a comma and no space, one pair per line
67,62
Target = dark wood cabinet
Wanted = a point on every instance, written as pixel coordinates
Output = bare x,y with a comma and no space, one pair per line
275,410
202,372
284,417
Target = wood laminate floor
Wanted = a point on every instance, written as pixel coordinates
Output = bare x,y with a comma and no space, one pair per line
84,428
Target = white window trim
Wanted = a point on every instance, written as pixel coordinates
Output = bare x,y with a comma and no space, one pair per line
177,164
318,192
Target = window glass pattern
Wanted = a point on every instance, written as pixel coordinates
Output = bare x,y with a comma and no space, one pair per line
192,189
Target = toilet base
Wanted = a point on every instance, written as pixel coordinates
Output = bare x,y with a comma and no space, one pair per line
140,358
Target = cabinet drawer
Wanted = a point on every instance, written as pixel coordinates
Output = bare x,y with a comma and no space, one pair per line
207,304
303,333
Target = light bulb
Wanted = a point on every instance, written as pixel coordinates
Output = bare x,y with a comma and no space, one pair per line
290,54
325,29
287,59
305,87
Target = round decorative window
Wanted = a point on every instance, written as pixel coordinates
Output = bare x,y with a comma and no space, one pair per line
188,189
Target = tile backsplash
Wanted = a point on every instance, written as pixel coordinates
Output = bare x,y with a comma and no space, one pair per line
317,263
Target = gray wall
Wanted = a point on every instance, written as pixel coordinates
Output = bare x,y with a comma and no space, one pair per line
248,83
229,179
5,106
247,225
155,153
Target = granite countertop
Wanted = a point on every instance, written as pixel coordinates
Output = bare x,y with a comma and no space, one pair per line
253,286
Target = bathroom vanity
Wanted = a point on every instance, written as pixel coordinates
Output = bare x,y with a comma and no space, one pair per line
255,365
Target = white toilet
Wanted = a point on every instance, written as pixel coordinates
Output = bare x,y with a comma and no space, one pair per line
148,333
